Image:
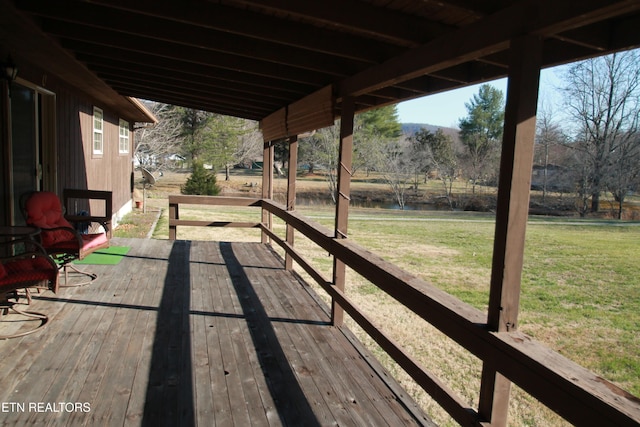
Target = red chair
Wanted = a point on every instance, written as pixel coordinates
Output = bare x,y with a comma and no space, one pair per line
24,265
58,237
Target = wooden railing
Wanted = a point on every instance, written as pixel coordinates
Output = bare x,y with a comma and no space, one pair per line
576,394
174,211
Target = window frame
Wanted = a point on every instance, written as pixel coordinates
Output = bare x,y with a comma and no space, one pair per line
124,139
98,143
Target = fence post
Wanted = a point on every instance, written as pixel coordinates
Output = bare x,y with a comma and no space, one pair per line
173,214
291,194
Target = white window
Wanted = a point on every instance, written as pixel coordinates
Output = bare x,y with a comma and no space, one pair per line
98,146
124,137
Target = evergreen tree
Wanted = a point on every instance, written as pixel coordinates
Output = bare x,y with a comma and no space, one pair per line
370,128
382,121
481,132
195,141
201,182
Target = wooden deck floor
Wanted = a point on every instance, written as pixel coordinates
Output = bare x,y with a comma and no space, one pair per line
192,333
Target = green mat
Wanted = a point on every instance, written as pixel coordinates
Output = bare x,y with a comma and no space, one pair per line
109,256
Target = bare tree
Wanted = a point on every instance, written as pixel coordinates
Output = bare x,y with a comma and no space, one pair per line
548,135
624,173
250,144
603,97
395,163
321,151
156,146
441,156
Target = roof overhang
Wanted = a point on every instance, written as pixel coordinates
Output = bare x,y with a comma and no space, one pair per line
262,59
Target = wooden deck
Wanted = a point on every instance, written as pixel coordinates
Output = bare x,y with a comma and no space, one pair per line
193,333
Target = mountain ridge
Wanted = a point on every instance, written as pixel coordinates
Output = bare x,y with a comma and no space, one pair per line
411,128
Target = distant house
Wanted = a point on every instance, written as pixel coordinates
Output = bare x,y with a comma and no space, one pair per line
63,130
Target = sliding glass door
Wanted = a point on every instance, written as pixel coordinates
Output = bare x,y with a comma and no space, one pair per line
24,145
32,144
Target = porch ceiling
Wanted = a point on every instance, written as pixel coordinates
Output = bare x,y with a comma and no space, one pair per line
250,58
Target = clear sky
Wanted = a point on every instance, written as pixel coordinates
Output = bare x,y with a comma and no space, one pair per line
445,109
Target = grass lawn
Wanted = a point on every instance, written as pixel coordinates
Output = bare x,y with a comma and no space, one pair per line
580,289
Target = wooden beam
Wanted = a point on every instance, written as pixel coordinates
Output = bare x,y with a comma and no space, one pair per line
157,87
543,18
245,112
342,199
136,61
314,111
179,81
291,195
354,17
114,24
88,40
254,25
185,199
514,185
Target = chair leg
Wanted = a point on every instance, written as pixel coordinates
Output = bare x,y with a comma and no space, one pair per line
67,284
7,306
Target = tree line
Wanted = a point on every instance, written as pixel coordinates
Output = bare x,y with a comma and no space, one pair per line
590,149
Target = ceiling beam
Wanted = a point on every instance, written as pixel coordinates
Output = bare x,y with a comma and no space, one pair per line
203,103
189,89
257,26
182,81
171,52
153,35
211,107
154,64
356,17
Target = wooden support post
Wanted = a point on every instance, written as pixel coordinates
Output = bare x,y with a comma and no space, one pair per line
514,186
174,213
291,194
267,184
342,198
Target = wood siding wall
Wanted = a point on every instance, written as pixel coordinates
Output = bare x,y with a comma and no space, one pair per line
78,166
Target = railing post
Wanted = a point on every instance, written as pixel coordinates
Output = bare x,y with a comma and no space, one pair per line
514,186
173,214
267,185
291,195
342,198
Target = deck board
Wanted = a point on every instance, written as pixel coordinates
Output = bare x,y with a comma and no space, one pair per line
192,333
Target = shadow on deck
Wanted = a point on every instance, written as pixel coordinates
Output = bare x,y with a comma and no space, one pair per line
194,333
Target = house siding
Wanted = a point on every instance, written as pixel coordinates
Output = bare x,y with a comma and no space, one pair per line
75,164
79,167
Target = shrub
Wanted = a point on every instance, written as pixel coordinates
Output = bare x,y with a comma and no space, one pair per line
201,182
